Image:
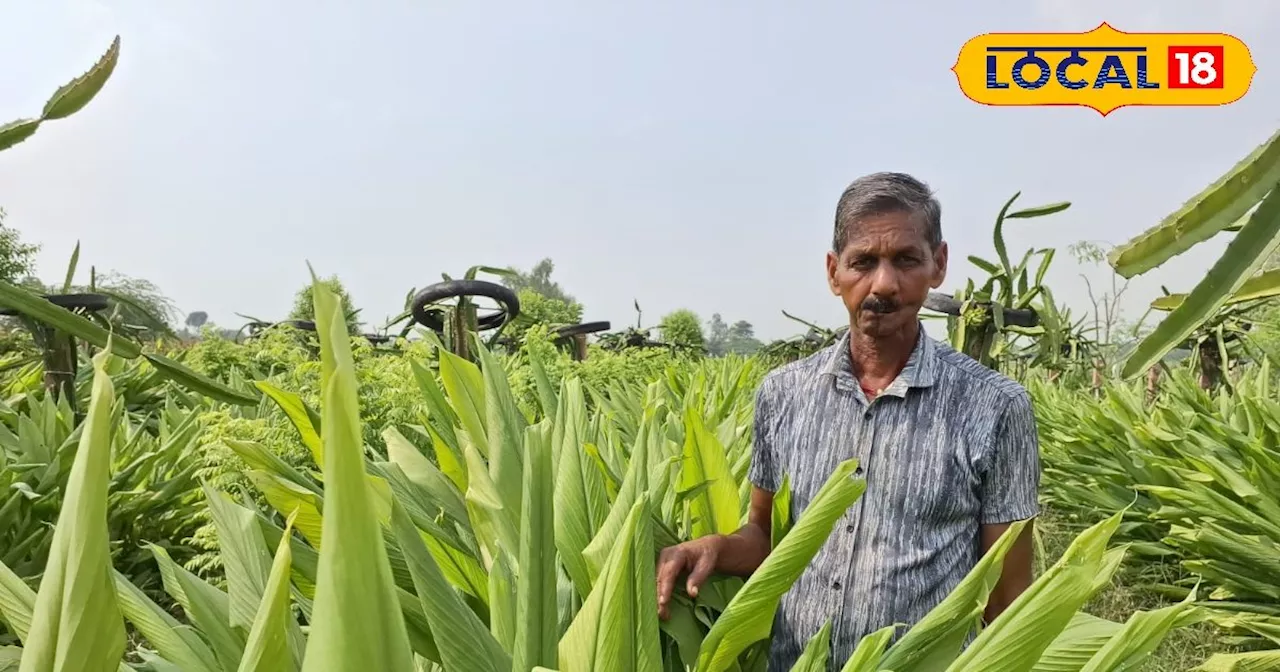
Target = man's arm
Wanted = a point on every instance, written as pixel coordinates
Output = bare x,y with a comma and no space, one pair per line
1016,575
1010,492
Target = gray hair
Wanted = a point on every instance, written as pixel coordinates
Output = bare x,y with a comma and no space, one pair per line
881,193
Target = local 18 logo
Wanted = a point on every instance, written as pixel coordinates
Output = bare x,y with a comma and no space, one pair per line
1104,69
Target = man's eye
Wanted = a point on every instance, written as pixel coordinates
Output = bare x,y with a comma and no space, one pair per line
862,262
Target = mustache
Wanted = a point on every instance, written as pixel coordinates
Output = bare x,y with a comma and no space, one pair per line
880,304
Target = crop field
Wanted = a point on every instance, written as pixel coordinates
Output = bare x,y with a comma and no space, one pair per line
469,488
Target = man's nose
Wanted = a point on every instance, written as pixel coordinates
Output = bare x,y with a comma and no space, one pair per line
885,281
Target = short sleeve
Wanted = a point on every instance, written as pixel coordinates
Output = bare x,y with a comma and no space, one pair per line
1011,484
765,471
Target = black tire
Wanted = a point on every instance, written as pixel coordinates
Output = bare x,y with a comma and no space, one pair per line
305,325
433,318
90,302
948,305
583,328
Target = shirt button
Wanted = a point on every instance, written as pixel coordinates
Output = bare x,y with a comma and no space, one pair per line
857,471
836,585
849,529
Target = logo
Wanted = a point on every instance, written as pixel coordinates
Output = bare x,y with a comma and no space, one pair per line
1104,69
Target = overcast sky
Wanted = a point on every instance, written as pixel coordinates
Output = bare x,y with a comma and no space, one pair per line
683,154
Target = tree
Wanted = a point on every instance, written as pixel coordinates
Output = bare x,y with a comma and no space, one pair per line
683,328
723,339
717,336
304,308
17,259
536,308
539,280
741,338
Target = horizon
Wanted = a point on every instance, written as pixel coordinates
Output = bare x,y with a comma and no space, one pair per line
656,153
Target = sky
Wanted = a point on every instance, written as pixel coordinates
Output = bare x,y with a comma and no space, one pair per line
678,154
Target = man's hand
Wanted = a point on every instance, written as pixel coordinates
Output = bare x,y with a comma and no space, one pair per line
1017,575
737,554
696,558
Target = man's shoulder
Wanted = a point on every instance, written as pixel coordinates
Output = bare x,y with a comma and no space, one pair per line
960,370
796,375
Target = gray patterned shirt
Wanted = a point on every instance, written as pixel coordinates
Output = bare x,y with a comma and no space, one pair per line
949,446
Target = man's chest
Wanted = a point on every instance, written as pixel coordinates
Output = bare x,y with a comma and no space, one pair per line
919,456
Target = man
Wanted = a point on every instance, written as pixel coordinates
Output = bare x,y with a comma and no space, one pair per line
947,447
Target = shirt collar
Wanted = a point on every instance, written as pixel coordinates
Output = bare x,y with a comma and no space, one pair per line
920,370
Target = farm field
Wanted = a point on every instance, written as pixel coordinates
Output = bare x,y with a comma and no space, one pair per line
477,489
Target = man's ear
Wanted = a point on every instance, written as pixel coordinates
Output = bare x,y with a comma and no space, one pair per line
940,265
832,263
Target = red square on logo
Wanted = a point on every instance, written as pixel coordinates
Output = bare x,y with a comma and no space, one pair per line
1195,67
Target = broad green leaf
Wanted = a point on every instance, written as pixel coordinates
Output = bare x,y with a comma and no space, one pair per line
177,642
269,645
248,565
505,425
634,484
817,652
465,386
1246,253
866,657
935,640
77,623
74,95
17,602
1084,635
356,621
1140,636
424,474
289,499
536,615
494,526
464,642
1017,638
1216,207
299,415
781,513
717,509
207,608
580,502
749,616
617,627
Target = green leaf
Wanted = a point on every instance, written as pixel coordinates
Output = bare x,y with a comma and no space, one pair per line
356,621
617,627
42,310
464,641
71,269
536,607
299,415
77,623
1250,249
817,652
199,383
935,640
749,616
718,509
1216,207
16,131
1262,286
1039,211
866,658
1023,631
74,95
268,648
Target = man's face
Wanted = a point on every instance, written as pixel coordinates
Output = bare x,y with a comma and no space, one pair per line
884,273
